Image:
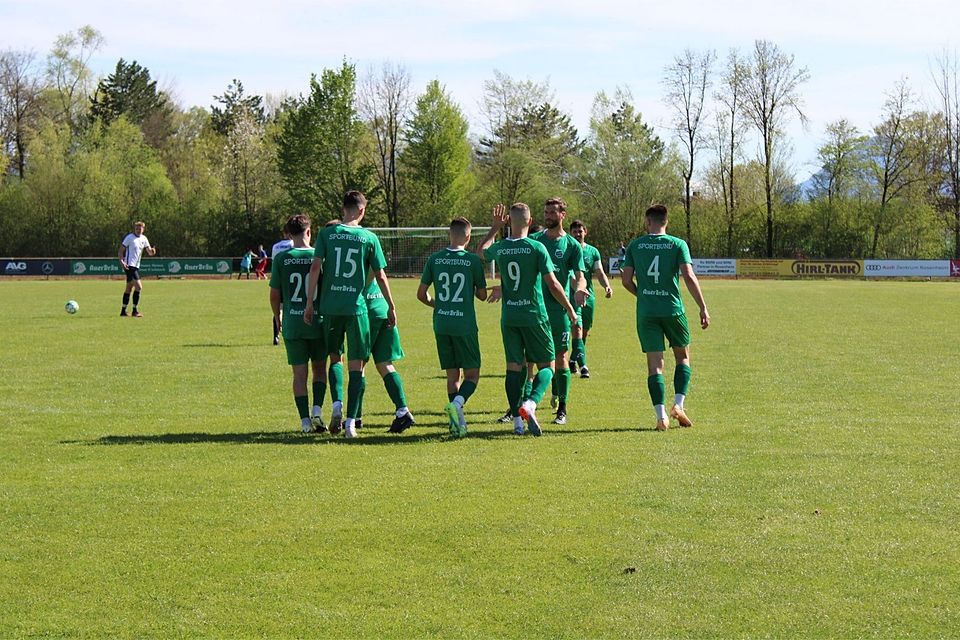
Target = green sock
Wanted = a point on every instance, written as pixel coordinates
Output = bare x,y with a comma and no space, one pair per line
657,388
303,406
578,351
540,383
583,352
513,384
562,380
319,389
335,378
527,387
451,396
363,394
467,389
354,394
681,379
394,384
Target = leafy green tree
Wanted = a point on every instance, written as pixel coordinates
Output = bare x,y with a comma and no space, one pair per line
69,76
235,101
321,144
127,91
624,168
20,105
836,191
436,158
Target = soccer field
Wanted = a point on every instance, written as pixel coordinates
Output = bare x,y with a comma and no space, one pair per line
154,482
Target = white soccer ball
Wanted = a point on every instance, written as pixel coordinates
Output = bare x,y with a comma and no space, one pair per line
71,306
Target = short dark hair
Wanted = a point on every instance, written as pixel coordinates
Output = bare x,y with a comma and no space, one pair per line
354,200
657,213
534,227
332,223
460,225
297,224
520,207
577,223
559,202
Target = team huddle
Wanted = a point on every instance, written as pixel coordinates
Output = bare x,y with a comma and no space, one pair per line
334,298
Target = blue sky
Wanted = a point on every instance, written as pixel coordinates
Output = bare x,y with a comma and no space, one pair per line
855,50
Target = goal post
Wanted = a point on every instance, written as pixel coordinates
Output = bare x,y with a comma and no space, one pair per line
407,248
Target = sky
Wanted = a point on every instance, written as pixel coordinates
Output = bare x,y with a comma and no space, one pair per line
855,50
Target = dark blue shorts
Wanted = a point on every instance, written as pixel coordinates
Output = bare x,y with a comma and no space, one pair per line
133,273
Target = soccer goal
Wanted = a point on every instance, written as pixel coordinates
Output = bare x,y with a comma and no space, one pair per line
407,248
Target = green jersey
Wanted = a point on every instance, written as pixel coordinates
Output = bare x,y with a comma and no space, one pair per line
591,260
567,256
377,306
348,253
290,274
656,261
455,275
522,263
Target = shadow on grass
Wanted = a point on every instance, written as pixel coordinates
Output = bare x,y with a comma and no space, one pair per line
220,345
369,435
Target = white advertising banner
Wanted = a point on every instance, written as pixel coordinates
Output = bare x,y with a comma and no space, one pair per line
906,268
715,266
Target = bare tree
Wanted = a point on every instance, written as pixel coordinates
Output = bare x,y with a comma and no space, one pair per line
730,130
771,94
20,94
384,102
686,81
947,80
69,72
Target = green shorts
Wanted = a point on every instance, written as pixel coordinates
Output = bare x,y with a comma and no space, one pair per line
304,350
459,352
559,328
651,332
356,330
528,344
585,313
384,341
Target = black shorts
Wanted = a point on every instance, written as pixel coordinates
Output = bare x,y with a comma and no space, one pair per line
133,273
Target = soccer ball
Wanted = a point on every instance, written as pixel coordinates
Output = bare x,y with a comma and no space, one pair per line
71,306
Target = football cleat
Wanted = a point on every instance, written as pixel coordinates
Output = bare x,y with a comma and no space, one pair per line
561,417
351,431
123,313
584,372
528,412
306,426
662,425
336,420
402,423
678,414
505,418
518,427
451,411
318,426
136,314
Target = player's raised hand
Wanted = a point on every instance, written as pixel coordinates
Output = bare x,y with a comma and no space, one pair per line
500,216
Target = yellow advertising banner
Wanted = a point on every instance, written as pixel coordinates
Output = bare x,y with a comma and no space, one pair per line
800,268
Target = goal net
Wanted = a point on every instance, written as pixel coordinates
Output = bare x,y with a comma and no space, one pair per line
407,248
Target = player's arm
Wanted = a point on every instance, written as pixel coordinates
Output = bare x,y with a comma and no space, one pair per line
314,281
122,255
480,293
381,277
423,295
693,286
151,250
556,290
602,278
275,299
498,218
581,293
626,277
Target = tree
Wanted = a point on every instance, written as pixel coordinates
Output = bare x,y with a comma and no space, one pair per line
127,91
686,81
947,80
836,186
624,168
321,144
771,95
384,102
20,104
729,132
70,76
234,101
436,157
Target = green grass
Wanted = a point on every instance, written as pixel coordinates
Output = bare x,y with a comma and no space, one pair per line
153,481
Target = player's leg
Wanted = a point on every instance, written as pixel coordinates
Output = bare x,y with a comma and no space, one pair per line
678,333
334,332
515,376
466,355
318,361
539,348
298,355
587,324
652,343
126,291
386,349
561,379
358,352
137,289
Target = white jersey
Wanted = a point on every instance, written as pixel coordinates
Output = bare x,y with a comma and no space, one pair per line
135,246
280,247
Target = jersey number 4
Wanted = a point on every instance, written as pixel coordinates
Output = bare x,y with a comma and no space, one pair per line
654,270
